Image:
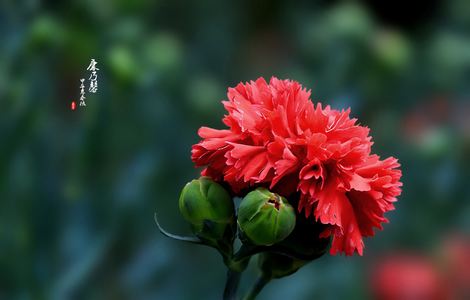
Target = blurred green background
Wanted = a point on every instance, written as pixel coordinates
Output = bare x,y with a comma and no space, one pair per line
78,189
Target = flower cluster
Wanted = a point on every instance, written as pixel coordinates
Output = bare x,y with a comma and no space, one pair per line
278,139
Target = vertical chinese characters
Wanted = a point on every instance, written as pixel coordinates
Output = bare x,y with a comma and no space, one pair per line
93,87
82,92
93,77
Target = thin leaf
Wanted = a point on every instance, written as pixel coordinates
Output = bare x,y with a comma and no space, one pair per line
189,239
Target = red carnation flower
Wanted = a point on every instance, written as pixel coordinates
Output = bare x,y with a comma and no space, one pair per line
278,138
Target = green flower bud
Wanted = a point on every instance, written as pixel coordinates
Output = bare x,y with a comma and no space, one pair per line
208,207
265,218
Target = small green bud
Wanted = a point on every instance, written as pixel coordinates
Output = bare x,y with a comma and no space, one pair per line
208,207
265,218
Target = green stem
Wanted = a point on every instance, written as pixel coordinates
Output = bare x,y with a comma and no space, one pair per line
257,287
247,251
231,285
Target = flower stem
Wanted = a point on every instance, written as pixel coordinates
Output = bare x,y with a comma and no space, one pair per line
257,287
231,285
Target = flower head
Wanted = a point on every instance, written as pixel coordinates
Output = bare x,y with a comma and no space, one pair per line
277,138
408,276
